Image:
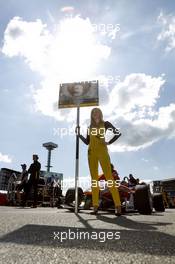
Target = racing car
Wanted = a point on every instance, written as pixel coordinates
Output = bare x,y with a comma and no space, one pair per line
134,196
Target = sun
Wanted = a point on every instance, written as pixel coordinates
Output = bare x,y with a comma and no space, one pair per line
75,52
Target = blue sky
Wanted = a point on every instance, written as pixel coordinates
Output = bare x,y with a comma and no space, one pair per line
43,43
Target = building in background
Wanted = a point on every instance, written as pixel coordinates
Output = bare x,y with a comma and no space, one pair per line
48,177
167,187
5,175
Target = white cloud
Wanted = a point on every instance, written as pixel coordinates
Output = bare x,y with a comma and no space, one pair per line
167,33
131,106
72,51
67,54
29,40
141,133
137,91
5,158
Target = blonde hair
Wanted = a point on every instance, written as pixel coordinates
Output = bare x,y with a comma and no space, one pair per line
93,123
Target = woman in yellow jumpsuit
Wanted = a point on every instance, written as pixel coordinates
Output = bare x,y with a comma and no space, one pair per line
98,152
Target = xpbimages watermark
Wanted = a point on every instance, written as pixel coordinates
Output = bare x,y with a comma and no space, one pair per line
106,28
102,184
100,236
70,131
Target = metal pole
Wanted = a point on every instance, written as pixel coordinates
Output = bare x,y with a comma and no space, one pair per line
77,162
49,160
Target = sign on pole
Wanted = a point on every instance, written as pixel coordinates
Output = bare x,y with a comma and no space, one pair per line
77,95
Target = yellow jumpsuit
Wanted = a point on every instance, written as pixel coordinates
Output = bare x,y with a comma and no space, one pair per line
98,152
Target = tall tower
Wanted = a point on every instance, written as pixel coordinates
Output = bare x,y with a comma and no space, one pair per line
49,146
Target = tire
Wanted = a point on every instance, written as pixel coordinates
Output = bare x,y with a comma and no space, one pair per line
70,196
143,199
158,202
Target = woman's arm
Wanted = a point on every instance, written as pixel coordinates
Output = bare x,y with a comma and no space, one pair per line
85,140
116,132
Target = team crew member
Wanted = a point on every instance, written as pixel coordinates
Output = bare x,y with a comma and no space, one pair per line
98,152
34,171
23,184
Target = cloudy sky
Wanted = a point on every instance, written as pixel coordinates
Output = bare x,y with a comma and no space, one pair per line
129,46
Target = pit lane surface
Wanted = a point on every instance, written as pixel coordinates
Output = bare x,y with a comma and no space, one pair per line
34,236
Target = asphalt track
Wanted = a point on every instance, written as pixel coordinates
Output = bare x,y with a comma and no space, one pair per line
51,235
